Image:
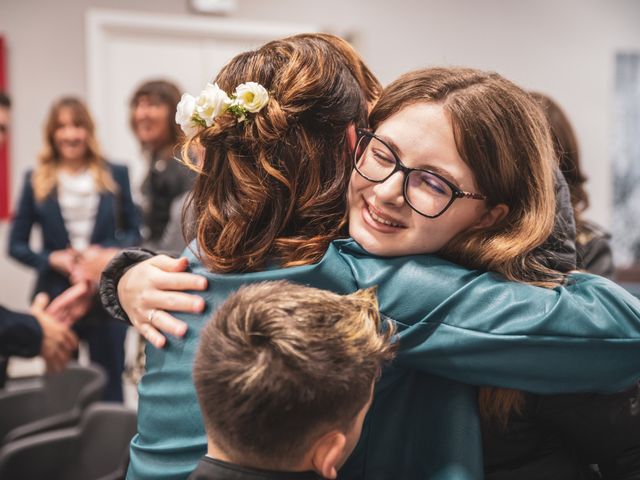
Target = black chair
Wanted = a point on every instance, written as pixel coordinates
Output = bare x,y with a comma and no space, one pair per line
57,403
96,449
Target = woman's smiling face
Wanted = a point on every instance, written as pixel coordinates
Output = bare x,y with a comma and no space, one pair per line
70,136
380,219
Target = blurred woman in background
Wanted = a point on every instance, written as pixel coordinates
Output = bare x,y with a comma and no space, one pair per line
153,111
83,206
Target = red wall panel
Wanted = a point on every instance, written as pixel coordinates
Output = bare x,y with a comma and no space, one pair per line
4,150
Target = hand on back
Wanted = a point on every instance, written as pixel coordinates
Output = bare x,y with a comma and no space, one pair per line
148,290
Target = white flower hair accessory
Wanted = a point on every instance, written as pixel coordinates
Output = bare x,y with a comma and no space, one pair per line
192,113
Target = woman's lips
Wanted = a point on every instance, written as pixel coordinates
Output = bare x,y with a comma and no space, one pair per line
379,221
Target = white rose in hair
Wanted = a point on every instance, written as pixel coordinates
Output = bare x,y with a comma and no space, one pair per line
251,96
185,115
212,102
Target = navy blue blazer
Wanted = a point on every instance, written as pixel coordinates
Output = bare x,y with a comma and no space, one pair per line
117,224
20,334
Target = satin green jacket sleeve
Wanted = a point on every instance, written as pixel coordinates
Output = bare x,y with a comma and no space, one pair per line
461,324
477,328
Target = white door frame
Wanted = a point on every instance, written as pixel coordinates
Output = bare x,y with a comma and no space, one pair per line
103,25
108,30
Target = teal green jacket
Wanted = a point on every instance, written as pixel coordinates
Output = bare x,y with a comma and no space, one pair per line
457,328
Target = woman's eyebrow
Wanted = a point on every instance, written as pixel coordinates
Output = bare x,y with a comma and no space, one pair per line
442,172
394,146
423,166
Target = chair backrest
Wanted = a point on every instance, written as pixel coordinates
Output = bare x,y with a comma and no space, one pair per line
20,407
76,386
93,449
106,431
40,456
58,403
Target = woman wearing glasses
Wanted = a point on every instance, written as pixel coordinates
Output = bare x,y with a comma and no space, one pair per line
414,190
468,325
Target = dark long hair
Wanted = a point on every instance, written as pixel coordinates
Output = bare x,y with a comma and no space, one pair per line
565,145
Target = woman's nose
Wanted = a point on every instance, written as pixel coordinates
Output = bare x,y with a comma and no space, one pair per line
142,110
66,132
71,132
390,191
139,112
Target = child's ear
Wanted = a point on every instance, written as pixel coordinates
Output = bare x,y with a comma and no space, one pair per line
492,216
327,454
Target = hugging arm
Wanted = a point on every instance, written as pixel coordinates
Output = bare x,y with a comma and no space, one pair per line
469,326
477,328
137,283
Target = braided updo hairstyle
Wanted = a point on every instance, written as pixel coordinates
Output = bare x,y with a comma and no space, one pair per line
273,188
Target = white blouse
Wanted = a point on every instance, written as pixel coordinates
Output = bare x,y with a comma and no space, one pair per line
78,198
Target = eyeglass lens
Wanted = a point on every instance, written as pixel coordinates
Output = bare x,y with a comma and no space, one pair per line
425,191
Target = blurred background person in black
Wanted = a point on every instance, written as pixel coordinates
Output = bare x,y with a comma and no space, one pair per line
153,111
592,241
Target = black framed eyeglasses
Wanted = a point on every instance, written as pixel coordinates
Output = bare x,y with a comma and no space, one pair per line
426,192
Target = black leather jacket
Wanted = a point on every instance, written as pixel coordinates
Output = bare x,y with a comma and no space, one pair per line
166,181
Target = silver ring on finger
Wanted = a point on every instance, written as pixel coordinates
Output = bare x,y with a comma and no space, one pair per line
150,315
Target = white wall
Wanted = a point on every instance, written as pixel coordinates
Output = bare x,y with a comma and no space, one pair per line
564,48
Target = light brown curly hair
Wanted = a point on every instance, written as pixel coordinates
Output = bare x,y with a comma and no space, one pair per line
273,188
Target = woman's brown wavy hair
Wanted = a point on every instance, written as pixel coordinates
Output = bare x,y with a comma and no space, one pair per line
44,179
503,136
272,188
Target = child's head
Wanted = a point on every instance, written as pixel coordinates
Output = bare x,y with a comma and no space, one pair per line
284,374
484,194
273,187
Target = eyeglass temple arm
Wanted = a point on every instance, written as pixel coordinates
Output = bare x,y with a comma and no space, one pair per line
475,196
